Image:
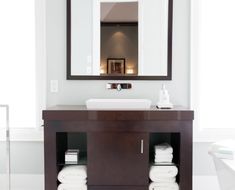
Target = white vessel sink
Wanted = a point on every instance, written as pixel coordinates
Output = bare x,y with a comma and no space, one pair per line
120,104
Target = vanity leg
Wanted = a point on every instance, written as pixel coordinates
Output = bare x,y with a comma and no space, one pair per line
186,147
50,157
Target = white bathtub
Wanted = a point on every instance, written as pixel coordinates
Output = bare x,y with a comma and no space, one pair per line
225,169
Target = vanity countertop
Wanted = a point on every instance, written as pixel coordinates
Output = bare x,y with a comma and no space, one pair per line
80,112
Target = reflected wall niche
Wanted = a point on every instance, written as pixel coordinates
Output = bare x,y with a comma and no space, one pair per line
119,41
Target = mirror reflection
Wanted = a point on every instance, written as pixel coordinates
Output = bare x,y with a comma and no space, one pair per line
119,39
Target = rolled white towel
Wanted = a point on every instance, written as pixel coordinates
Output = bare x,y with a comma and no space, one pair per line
71,186
165,161
162,171
70,174
163,148
164,158
163,154
164,179
73,180
163,186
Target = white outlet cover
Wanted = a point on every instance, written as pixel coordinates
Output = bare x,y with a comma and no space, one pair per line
54,86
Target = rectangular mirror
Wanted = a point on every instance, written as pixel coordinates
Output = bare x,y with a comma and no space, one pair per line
119,39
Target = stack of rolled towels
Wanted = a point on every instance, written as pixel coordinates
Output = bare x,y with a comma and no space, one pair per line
163,172
163,153
73,177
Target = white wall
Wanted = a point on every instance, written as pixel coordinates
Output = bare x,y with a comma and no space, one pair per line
76,92
28,157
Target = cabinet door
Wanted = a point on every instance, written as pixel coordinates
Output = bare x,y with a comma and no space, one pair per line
118,158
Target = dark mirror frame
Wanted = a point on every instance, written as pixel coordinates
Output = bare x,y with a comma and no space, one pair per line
92,77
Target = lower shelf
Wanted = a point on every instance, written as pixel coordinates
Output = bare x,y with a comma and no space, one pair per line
118,187
82,161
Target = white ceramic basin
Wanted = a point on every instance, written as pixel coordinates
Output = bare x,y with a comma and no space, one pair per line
121,104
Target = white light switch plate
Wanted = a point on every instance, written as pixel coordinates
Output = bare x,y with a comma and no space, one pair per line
54,86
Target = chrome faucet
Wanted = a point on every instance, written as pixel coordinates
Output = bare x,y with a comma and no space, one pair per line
118,86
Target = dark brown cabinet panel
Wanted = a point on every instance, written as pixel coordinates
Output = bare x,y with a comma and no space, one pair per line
118,146
118,158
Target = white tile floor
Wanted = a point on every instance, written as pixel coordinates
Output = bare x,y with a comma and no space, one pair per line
205,183
36,182
23,182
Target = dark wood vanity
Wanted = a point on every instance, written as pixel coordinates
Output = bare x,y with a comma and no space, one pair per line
116,146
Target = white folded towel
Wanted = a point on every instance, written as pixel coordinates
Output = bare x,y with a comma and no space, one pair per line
161,161
163,148
164,179
163,155
162,171
71,174
71,187
163,186
163,158
73,180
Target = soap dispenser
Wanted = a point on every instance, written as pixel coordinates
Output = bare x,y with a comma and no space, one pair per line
164,99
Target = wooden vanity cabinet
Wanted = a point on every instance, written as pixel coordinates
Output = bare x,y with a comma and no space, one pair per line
120,158
117,146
